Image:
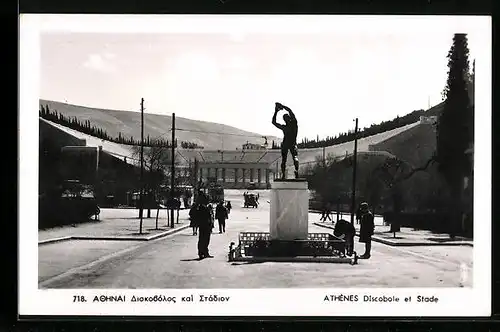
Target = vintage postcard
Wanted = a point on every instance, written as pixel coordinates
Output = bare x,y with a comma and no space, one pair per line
209,165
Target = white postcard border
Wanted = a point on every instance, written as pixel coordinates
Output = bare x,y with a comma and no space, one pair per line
475,301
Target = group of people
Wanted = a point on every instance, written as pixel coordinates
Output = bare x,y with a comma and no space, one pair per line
202,221
345,230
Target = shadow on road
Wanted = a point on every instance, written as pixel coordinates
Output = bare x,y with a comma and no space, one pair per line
190,235
394,237
195,259
246,263
447,239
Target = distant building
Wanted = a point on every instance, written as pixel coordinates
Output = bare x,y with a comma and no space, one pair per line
253,146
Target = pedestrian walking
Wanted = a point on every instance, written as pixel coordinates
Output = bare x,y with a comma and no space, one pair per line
327,210
212,214
192,218
367,228
228,207
221,216
345,231
204,223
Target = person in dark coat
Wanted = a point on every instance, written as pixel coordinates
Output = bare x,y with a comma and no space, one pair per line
346,231
358,214
192,218
204,223
366,230
212,214
221,216
228,207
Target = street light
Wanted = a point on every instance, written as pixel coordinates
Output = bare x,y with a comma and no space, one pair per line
222,148
172,172
353,197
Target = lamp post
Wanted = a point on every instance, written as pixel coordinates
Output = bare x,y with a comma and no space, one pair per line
354,166
141,200
172,173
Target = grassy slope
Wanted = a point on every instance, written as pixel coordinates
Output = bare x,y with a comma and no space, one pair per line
128,123
415,145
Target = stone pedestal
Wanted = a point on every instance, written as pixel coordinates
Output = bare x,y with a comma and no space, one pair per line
289,210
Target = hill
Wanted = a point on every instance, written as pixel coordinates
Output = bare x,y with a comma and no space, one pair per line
158,126
372,130
393,141
414,146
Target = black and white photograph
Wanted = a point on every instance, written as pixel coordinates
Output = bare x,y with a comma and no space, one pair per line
313,159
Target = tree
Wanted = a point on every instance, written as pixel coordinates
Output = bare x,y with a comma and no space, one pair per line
156,162
329,180
455,126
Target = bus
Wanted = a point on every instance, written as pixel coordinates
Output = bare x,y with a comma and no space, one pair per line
215,193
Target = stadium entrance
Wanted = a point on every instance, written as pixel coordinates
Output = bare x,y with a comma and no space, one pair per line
237,175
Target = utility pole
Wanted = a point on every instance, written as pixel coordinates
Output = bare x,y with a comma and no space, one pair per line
172,172
141,201
353,198
195,180
222,148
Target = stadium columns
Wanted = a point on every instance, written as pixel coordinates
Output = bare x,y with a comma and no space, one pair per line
194,175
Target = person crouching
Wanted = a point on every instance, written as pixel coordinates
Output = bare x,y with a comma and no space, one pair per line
345,231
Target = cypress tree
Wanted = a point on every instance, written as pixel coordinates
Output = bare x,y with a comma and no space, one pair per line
454,127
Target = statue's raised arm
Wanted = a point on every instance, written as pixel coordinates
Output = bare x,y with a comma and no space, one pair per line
277,108
289,110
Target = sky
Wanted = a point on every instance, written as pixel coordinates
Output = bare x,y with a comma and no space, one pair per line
231,75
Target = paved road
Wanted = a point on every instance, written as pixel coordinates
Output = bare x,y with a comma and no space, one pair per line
171,262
